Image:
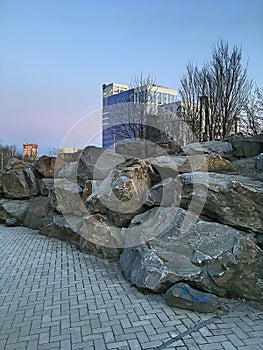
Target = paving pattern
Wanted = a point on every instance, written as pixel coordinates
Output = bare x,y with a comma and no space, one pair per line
52,296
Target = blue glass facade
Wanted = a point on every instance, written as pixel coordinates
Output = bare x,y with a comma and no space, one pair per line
123,97
113,130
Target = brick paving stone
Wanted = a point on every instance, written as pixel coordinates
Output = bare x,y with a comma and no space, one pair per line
117,345
212,346
52,296
250,347
151,344
100,344
134,344
190,344
227,345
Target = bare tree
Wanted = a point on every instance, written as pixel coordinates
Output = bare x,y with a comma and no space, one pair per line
231,85
224,83
190,91
8,152
252,117
53,152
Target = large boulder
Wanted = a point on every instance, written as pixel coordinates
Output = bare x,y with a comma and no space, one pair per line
170,166
68,197
39,213
46,186
96,163
259,164
222,148
230,199
120,195
46,166
165,193
64,229
244,147
19,184
13,209
69,171
250,167
17,164
100,237
179,248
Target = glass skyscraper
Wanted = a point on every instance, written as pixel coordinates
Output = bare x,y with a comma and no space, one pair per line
125,111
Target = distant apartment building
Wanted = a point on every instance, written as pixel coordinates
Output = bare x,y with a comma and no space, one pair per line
67,150
30,151
69,154
122,105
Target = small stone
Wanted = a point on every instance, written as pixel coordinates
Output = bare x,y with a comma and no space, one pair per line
11,222
182,296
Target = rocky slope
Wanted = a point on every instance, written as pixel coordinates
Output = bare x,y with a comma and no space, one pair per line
176,218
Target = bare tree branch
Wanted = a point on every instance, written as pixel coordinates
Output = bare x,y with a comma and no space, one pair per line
252,117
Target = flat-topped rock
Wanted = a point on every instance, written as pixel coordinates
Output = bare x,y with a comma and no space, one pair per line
96,163
231,199
220,147
171,166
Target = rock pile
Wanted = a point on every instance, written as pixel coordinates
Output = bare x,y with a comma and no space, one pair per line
181,221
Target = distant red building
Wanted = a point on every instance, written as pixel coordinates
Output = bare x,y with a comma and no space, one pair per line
30,151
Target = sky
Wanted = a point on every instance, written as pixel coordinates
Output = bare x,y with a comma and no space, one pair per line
56,54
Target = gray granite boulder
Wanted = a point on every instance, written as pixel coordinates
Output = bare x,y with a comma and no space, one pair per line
96,163
244,147
17,164
64,229
68,197
177,247
46,186
100,237
19,184
69,171
251,167
46,166
11,208
120,195
223,148
165,193
171,166
39,213
230,199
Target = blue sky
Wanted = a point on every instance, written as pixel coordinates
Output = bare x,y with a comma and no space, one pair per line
56,54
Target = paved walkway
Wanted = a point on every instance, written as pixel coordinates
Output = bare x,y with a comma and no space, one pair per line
54,297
